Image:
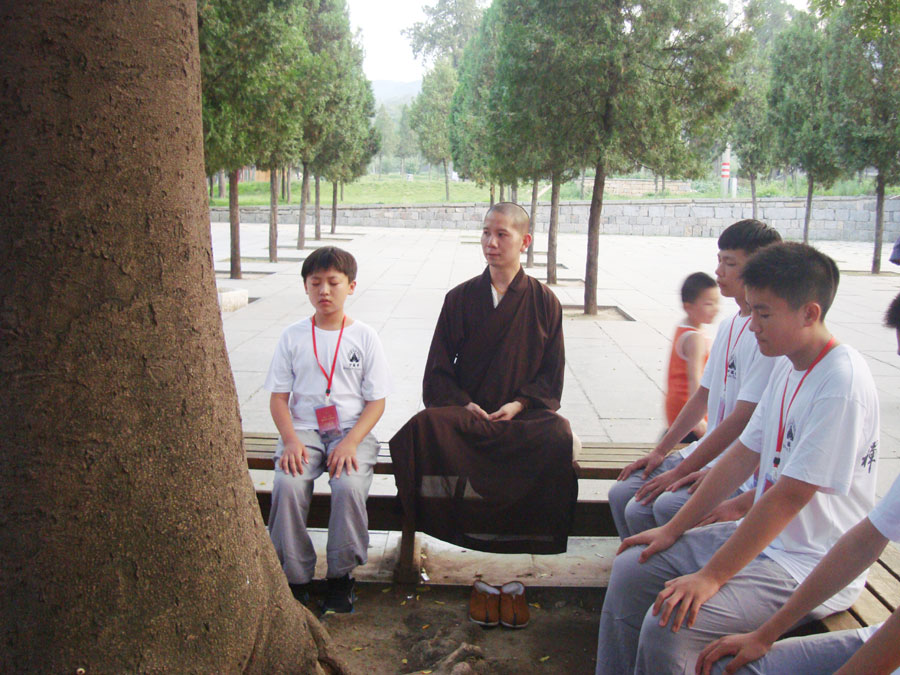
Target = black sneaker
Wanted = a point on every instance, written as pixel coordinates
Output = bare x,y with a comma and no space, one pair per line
301,591
339,596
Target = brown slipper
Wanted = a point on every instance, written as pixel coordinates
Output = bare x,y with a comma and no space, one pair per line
484,604
513,608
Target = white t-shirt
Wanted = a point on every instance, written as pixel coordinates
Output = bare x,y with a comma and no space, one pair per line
735,371
361,373
830,440
886,519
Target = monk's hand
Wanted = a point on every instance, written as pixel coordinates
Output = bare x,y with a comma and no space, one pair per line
655,539
293,457
656,486
648,463
477,409
683,597
745,648
506,412
342,458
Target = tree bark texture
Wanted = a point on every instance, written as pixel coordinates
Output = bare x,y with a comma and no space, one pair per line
502,192
220,179
553,229
879,222
753,193
447,180
318,211
514,193
273,215
593,246
334,205
532,221
287,172
493,200
304,200
131,540
283,185
809,194
234,222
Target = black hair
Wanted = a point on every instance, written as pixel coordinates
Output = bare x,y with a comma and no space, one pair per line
892,316
796,273
695,284
329,257
516,213
748,236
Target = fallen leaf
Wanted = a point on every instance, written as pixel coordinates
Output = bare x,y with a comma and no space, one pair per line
385,590
417,598
535,604
439,602
358,649
426,626
404,661
403,603
425,672
544,658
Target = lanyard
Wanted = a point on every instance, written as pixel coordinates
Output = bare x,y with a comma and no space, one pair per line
328,377
782,414
728,349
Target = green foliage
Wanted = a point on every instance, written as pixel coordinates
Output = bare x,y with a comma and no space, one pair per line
871,17
429,114
387,132
446,30
407,145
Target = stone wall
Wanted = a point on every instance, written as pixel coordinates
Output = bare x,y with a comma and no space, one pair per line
833,218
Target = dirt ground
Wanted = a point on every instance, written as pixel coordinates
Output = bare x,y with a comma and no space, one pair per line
425,629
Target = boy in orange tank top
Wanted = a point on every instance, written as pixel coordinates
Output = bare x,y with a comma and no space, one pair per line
690,347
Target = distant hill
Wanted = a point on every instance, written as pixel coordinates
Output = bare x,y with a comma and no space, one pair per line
392,93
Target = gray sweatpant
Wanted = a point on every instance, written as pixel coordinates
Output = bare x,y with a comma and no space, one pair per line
631,639
629,515
348,522
807,655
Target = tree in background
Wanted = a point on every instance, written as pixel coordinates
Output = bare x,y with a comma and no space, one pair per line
429,116
448,26
131,532
387,133
801,113
407,145
863,85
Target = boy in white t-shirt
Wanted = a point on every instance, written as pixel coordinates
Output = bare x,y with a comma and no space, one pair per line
846,651
329,379
733,380
814,438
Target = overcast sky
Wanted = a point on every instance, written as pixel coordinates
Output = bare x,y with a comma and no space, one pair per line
388,54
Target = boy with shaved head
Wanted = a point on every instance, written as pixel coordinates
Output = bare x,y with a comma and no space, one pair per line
489,454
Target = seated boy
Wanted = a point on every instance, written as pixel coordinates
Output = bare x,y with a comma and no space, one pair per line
328,379
875,649
732,382
814,437
690,349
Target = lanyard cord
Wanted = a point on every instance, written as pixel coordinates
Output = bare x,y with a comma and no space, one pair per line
728,349
328,377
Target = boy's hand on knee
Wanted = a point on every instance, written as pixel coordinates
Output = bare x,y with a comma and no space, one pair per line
342,458
730,509
745,648
656,539
647,463
654,487
683,597
293,458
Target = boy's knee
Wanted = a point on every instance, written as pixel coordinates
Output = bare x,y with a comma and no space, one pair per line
666,506
620,493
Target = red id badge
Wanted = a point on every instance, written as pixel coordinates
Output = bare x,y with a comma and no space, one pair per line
329,423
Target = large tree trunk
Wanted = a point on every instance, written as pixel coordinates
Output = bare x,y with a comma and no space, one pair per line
553,229
447,180
532,220
502,193
221,183
234,221
593,244
318,211
514,193
304,200
753,193
879,222
131,537
809,193
283,185
287,173
334,205
493,199
273,215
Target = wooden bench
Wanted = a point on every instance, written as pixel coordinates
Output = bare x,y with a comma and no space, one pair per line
592,518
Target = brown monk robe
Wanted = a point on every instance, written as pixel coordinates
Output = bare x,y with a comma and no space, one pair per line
497,481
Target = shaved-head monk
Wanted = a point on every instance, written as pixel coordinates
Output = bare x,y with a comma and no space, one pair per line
488,464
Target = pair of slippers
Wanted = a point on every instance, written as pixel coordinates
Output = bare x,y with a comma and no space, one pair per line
504,605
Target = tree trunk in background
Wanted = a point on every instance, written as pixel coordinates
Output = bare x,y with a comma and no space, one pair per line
447,180
529,257
655,184
304,200
334,205
342,190
879,222
131,538
493,200
234,222
663,182
273,214
553,229
593,243
502,194
809,195
753,193
318,211
581,184
211,183
221,182
287,173
514,193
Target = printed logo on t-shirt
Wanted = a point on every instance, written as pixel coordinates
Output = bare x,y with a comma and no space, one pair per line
354,359
732,369
868,460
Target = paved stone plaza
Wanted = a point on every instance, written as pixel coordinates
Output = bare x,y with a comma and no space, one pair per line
615,368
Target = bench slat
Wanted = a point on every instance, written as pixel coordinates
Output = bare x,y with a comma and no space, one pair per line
869,609
841,621
884,585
